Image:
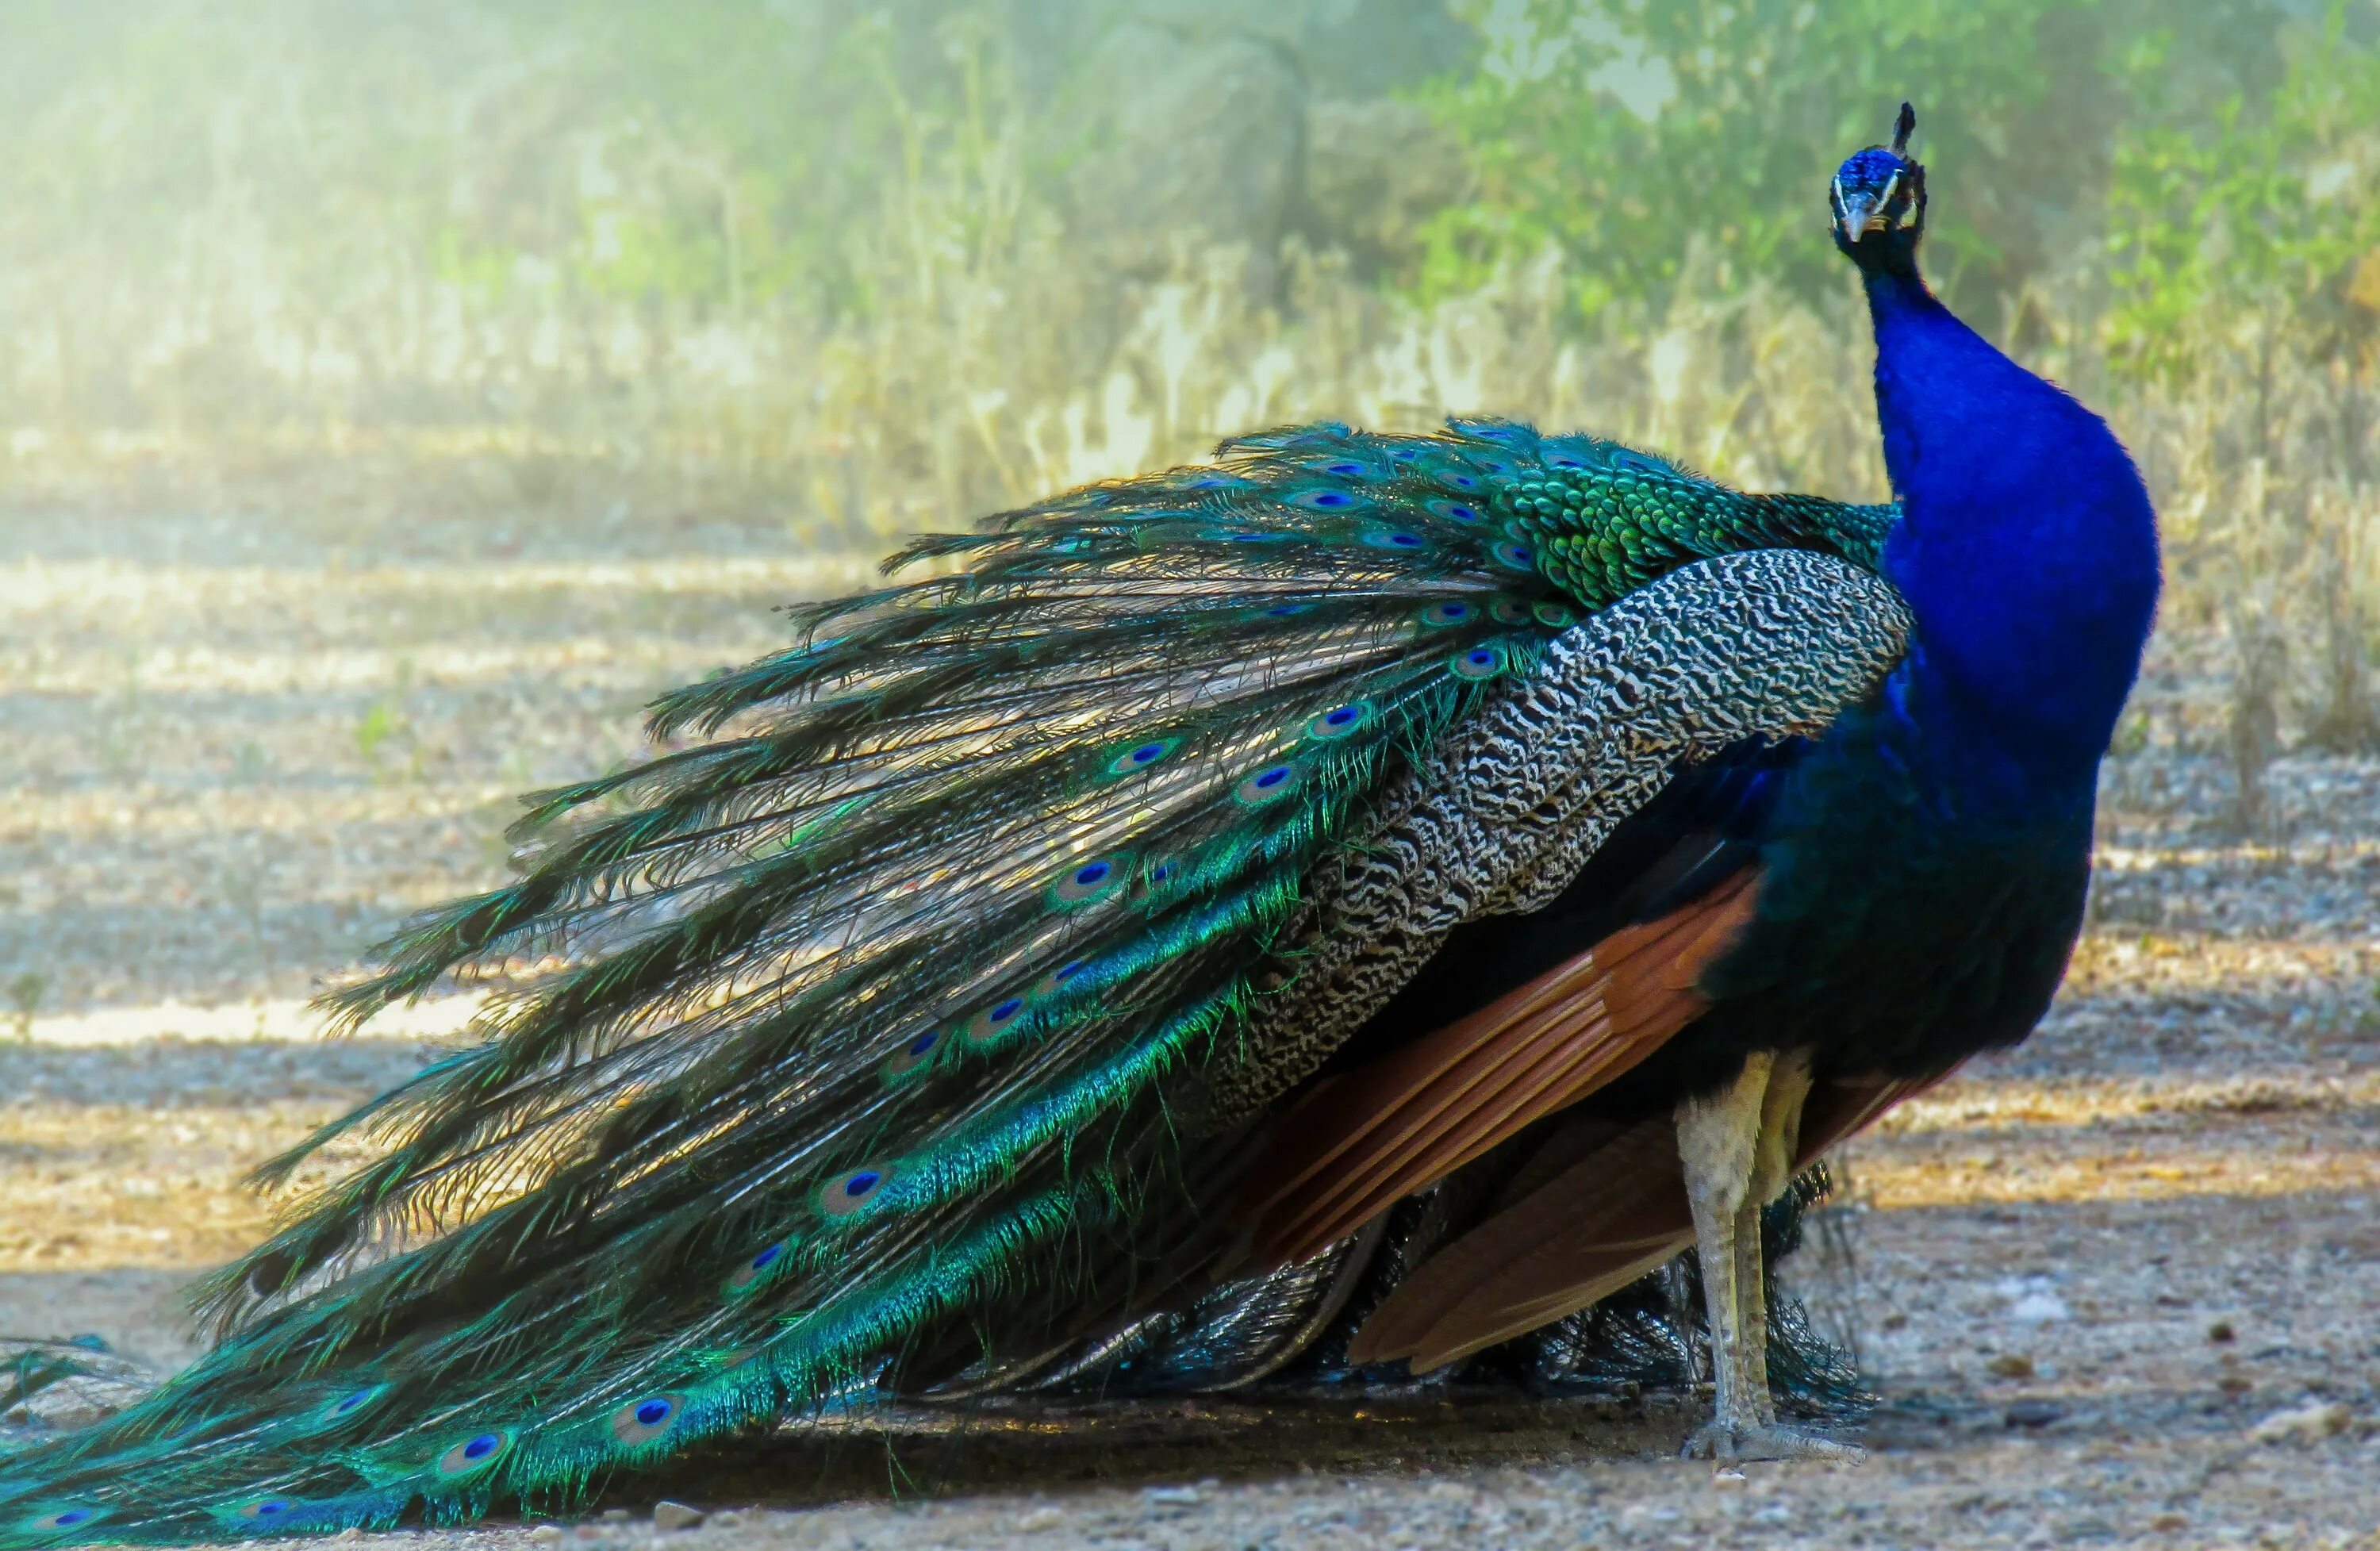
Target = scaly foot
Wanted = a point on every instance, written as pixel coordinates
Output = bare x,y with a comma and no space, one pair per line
1718,1439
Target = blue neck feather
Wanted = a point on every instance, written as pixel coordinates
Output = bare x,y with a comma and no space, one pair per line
2027,550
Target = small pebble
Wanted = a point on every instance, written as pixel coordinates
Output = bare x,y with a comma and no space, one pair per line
1728,1481
2011,1364
2171,1521
1171,1497
2032,1413
726,1519
350,1532
2307,1423
672,1516
2221,1330
617,1516
547,1534
1042,1519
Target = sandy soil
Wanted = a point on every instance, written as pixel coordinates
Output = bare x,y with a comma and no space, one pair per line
231,753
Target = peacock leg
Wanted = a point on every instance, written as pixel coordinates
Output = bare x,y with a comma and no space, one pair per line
1738,1146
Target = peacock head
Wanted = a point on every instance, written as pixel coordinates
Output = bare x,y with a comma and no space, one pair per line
1879,200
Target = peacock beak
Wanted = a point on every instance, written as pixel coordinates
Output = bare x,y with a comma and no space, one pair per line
1863,213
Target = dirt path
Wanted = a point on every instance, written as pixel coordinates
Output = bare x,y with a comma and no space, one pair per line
233,754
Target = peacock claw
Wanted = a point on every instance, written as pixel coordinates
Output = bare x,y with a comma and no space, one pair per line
1721,1440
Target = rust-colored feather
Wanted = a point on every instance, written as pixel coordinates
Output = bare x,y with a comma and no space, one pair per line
1598,1224
1360,1143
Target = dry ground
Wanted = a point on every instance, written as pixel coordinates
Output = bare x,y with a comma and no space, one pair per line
233,751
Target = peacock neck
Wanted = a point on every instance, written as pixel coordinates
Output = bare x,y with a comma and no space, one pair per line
2027,550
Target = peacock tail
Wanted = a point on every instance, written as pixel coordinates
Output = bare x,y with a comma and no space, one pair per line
912,1024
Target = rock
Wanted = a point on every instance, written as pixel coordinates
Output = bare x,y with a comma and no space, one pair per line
617,1516
672,1516
2308,1423
1350,48
1374,172
1194,140
1171,1497
1728,1481
547,1534
2169,1521
726,1519
350,1532
2010,1365
1046,1518
2032,1413
2220,1331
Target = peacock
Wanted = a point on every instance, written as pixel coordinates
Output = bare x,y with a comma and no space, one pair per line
1354,904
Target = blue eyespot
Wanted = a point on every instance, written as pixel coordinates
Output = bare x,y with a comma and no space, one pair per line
1520,557
1479,663
647,1420
1458,511
1141,756
1007,1009
1089,881
843,1196
750,1274
475,1453
905,1060
1272,782
1450,613
1338,721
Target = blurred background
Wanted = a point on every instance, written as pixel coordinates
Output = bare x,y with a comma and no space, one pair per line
396,395
851,270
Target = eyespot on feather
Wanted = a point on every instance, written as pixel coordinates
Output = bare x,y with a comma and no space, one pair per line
1479,663
1267,785
1154,877
1058,979
61,1519
994,1020
1508,611
750,1274
1398,540
1141,756
1339,721
1452,612
1086,882
1518,556
475,1453
353,1402
1554,616
851,1193
265,1509
916,1053
1461,511
1328,499
648,1420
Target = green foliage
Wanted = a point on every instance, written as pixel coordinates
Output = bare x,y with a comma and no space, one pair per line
1621,135
2259,218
